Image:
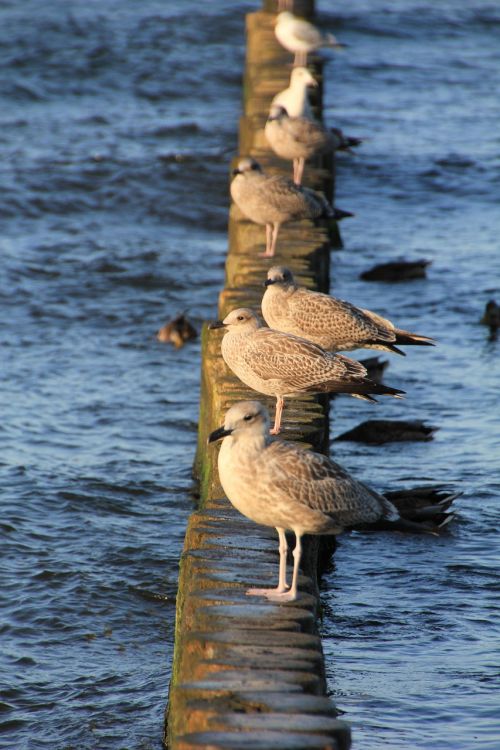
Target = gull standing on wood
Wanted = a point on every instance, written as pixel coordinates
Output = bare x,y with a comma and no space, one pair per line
301,37
332,323
294,99
274,200
280,365
280,484
300,138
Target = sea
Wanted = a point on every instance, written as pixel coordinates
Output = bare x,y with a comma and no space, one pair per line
118,121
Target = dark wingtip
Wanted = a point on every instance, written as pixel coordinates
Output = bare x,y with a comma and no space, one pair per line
339,214
388,391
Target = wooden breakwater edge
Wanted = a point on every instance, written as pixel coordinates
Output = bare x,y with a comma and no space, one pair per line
250,673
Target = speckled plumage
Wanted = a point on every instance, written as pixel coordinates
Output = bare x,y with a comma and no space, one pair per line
274,200
332,323
301,138
294,137
279,484
283,365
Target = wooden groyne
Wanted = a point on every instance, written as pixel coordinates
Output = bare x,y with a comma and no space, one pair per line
250,673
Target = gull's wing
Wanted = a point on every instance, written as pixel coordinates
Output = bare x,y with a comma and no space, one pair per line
317,482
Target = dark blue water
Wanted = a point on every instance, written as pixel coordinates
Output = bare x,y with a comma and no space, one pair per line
118,121
411,624
113,211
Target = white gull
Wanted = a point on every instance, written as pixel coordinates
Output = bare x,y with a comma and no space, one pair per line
301,37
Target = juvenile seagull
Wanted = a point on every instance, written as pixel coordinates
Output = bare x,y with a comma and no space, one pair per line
301,138
300,36
280,365
274,200
294,99
279,484
332,323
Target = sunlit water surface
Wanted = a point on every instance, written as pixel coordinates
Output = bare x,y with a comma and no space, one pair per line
117,126
411,623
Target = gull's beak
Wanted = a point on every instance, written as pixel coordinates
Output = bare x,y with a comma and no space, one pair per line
218,434
268,282
216,324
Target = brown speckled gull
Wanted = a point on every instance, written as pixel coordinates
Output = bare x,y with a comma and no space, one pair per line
298,139
332,323
280,365
274,200
280,484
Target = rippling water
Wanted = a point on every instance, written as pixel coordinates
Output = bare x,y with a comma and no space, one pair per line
411,623
117,125
113,210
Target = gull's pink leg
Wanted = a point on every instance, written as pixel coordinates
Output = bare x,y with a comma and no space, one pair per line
282,584
289,596
280,402
270,240
276,229
300,170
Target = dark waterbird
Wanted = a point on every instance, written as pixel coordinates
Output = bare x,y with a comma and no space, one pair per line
491,318
423,509
177,331
379,431
397,270
375,367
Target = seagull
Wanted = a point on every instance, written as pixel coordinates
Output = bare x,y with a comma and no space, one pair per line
294,99
300,36
280,484
301,138
332,323
280,365
274,200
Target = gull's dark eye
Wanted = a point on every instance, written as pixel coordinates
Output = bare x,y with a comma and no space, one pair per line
254,166
248,417
240,317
